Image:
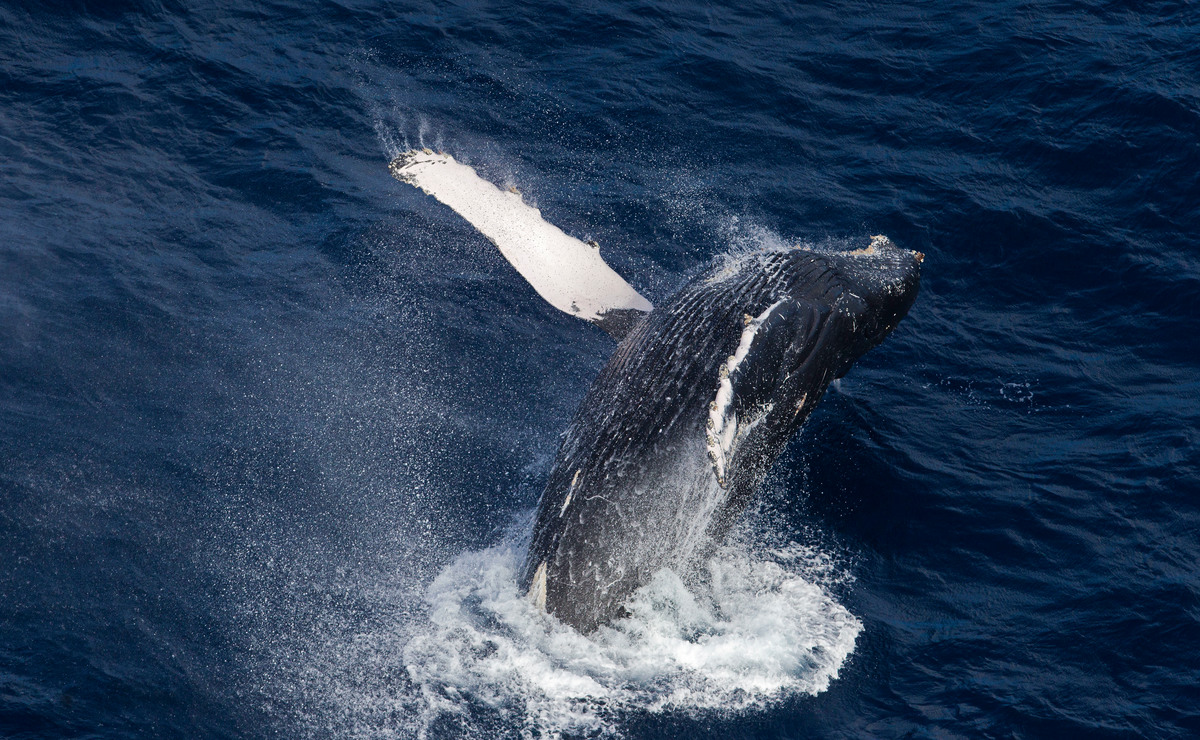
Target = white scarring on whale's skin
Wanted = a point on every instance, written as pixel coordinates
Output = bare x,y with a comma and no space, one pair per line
537,589
723,427
571,492
570,274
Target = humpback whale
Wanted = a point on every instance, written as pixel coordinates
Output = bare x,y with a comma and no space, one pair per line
699,398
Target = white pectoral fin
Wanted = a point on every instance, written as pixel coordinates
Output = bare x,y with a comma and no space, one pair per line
568,273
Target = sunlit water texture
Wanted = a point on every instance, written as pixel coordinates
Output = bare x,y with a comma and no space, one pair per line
271,421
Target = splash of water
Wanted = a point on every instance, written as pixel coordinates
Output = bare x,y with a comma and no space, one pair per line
751,629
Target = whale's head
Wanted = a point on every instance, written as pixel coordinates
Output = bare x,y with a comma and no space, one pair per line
878,284
815,313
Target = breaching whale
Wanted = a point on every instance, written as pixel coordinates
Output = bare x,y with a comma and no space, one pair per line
697,401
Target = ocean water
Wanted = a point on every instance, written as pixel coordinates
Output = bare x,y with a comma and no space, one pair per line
273,425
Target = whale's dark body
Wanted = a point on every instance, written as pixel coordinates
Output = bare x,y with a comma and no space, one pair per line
697,401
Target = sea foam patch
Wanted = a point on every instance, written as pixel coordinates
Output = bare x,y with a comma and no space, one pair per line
748,630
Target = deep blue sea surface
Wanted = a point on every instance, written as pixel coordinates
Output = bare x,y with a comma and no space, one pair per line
272,424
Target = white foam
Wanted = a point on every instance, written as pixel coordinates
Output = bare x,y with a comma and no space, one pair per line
757,630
